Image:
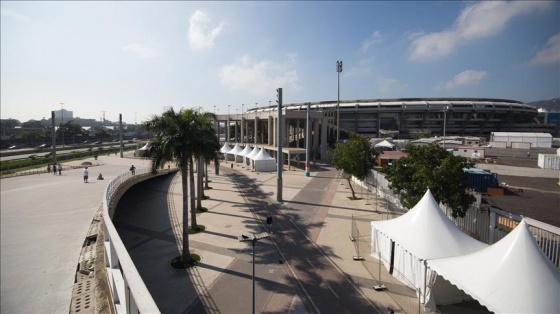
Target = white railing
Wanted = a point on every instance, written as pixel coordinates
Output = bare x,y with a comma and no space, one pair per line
484,226
128,291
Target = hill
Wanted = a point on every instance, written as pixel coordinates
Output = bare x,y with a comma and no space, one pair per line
549,104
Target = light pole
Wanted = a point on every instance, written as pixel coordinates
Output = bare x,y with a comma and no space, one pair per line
338,70
444,123
62,121
253,240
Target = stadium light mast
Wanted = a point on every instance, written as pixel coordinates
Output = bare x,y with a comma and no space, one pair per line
444,123
62,121
338,70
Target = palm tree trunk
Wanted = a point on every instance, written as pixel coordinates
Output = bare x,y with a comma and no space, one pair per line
206,173
186,253
194,225
199,189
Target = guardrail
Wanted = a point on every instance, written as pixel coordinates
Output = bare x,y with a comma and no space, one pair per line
128,291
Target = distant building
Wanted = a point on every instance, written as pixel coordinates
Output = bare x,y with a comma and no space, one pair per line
62,116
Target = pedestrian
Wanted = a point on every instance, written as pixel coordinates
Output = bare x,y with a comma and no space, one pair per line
528,154
390,311
100,176
269,223
48,168
86,175
54,169
133,170
59,170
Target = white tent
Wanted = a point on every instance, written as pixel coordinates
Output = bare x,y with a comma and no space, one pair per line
246,152
241,156
384,145
423,233
142,152
264,162
511,276
233,152
226,148
249,157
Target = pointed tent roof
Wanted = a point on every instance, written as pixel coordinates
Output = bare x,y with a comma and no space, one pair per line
235,150
255,151
511,276
422,229
225,149
245,151
384,143
263,155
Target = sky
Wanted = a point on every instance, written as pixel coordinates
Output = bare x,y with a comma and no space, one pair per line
98,58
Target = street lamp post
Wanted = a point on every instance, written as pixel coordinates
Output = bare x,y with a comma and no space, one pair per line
253,240
444,123
338,70
62,121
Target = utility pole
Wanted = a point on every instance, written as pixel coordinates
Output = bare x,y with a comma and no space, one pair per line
62,122
338,70
280,157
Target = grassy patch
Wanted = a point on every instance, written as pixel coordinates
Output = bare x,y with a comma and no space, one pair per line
199,228
179,263
201,210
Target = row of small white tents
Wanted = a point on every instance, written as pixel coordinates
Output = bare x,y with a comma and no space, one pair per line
257,158
426,251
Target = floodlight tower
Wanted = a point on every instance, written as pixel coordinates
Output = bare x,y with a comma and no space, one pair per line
338,70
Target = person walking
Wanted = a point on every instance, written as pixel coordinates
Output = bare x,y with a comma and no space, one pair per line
133,170
49,168
59,170
269,223
86,175
54,169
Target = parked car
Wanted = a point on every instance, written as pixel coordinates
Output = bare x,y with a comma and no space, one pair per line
12,147
85,142
98,142
44,145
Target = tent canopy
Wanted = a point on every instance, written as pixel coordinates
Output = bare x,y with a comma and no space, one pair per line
384,144
226,148
422,229
511,276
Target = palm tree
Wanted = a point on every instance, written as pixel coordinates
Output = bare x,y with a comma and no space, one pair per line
207,150
175,141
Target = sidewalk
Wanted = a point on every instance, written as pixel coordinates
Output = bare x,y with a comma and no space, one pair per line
226,261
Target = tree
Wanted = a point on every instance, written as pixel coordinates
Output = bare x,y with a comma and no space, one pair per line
174,141
431,167
207,150
355,158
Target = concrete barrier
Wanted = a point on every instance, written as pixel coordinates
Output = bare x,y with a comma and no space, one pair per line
129,293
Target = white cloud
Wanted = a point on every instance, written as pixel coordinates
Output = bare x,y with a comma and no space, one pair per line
468,77
14,15
478,20
550,53
260,78
386,85
202,32
363,67
374,38
140,50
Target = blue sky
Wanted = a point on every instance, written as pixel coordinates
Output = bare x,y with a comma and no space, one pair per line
135,58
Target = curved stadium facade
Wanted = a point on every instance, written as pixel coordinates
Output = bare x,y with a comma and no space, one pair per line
413,117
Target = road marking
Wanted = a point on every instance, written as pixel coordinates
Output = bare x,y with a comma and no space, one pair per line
336,295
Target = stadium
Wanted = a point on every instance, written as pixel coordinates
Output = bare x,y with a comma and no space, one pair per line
417,117
404,118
